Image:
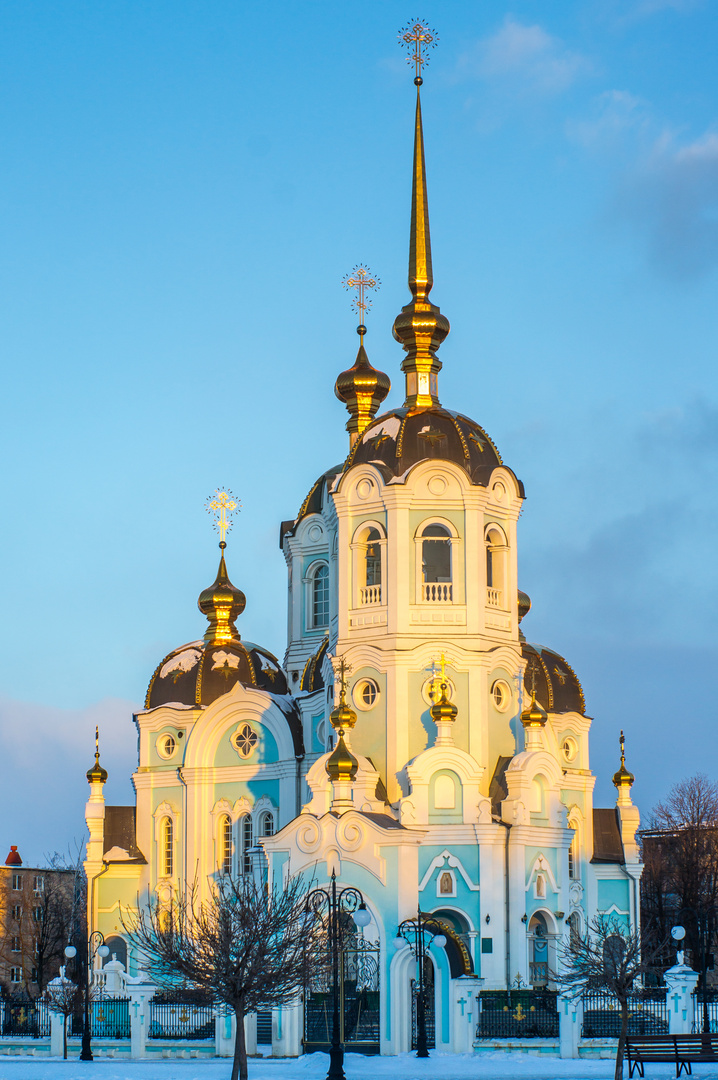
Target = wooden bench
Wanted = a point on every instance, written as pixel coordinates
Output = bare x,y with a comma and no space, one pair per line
681,1050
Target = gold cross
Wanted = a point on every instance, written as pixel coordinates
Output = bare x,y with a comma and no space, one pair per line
361,280
414,37
433,436
438,675
222,506
341,670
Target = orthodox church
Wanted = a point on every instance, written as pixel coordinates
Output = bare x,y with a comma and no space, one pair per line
413,742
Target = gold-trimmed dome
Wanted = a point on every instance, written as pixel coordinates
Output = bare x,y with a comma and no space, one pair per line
443,710
362,388
534,715
222,603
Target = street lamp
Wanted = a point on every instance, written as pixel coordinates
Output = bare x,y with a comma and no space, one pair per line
412,933
678,933
332,903
95,947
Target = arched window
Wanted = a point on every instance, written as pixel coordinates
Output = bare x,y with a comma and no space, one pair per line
573,855
496,549
371,593
436,563
266,824
574,930
167,849
320,596
247,840
225,840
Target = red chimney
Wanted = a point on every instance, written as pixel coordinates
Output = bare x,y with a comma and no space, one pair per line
13,858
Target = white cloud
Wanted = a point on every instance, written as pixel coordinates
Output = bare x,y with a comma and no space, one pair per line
613,115
523,59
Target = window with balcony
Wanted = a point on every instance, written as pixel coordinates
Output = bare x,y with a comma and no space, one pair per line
371,592
496,555
436,580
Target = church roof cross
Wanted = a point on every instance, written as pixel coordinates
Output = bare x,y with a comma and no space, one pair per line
222,506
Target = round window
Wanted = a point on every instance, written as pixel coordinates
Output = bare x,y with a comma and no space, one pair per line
166,745
431,690
569,748
365,693
244,740
501,694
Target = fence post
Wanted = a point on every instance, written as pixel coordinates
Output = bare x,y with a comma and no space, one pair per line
224,1029
287,1025
464,1007
139,1020
680,982
57,1042
570,1020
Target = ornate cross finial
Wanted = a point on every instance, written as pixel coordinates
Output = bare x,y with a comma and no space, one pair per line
341,670
532,669
415,37
222,506
438,676
622,741
361,279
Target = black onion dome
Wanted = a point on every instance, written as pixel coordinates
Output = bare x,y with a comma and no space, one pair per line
556,683
313,503
312,678
401,438
198,673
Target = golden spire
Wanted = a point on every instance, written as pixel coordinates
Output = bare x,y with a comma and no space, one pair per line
362,388
221,602
342,717
97,775
623,778
420,326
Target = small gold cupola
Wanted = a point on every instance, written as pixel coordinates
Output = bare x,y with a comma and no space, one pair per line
97,775
222,603
341,764
420,327
362,388
443,713
623,779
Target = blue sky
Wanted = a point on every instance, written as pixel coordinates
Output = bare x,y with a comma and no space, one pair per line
184,185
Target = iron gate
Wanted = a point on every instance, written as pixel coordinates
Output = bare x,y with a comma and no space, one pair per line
522,1014
358,1001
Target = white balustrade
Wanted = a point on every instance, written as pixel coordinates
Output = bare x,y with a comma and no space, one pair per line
437,592
370,595
493,597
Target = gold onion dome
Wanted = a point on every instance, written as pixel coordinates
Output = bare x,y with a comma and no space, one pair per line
362,389
443,710
534,716
97,775
524,608
221,603
342,765
623,778
342,718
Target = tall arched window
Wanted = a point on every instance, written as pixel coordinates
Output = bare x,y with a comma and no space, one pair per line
436,563
372,568
573,855
266,824
320,596
167,853
225,839
247,841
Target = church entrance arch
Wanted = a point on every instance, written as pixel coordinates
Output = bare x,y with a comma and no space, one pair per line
359,996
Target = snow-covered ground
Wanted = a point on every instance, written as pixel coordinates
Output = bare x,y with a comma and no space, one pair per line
492,1066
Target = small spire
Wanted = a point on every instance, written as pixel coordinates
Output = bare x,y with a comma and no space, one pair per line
97,775
341,765
342,718
362,388
420,327
534,716
443,713
623,779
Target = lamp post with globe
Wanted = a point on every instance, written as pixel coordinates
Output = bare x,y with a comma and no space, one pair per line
332,903
95,947
418,935
704,926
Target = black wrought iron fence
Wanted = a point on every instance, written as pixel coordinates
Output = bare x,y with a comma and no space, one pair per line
264,1027
110,1018
517,1014
647,1014
25,1016
181,1019
712,1005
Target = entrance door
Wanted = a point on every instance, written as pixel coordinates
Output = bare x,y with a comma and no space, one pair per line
358,1001
429,1010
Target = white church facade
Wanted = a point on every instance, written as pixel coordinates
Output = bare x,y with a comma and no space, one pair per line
445,769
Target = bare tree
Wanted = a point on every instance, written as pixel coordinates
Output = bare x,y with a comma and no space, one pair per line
246,946
67,998
607,957
680,850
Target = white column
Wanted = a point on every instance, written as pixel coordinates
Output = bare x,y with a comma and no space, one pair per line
464,991
287,1025
225,1027
57,1044
139,1021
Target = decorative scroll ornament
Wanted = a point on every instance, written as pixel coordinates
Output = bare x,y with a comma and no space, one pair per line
222,506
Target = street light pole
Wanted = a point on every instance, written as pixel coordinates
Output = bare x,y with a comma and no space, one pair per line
412,933
95,947
333,903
